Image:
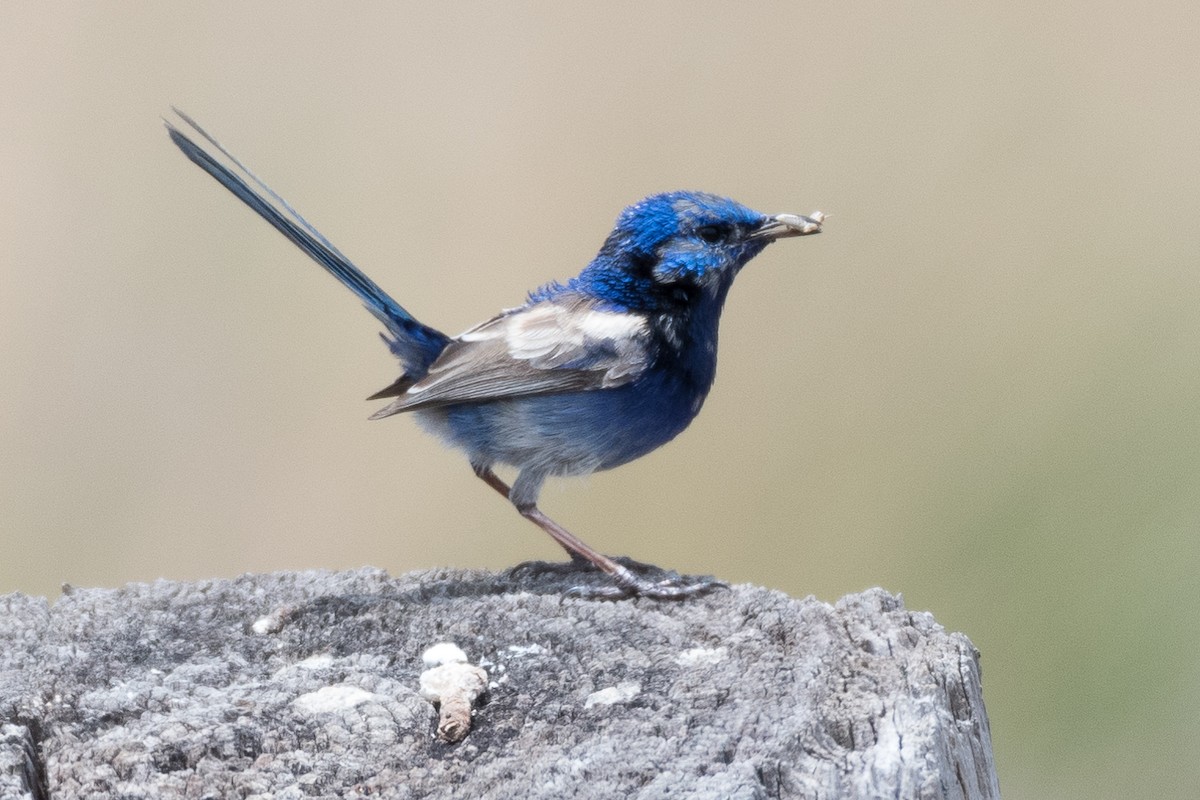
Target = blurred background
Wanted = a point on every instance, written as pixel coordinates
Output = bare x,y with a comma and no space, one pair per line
980,387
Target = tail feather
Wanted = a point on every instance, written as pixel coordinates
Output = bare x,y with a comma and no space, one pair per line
415,344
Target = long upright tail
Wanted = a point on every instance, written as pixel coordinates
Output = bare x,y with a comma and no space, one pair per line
414,343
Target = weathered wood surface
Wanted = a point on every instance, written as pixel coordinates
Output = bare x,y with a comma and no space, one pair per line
170,690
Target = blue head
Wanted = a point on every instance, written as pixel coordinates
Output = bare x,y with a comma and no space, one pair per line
680,247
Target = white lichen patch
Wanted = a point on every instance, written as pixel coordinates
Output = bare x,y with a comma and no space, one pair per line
331,698
271,623
319,661
444,653
702,656
621,693
518,650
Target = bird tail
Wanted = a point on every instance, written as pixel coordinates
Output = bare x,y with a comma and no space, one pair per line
415,344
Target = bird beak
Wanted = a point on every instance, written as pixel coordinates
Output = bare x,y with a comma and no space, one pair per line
781,226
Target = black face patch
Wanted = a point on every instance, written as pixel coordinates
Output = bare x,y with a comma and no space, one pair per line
715,234
641,265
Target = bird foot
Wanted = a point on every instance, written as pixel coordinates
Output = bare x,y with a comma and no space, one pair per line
669,589
636,579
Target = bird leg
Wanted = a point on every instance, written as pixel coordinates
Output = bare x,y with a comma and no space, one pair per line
627,583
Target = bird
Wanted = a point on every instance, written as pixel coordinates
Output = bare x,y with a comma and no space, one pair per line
584,375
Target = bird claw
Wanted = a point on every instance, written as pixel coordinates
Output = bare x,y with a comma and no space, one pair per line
665,584
529,570
536,569
670,589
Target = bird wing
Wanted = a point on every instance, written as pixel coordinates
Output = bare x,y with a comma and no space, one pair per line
552,346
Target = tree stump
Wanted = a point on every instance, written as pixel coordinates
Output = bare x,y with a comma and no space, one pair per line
299,685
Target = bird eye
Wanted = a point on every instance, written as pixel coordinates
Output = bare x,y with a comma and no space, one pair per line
713,234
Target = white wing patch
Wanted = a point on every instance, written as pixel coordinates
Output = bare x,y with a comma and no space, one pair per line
545,333
560,345
544,327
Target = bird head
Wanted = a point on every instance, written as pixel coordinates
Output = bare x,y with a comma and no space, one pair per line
679,245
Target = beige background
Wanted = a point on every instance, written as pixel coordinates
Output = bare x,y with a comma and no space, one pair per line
980,387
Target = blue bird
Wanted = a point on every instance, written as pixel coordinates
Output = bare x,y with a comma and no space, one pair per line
584,376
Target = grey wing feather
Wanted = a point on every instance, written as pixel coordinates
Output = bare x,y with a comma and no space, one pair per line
550,347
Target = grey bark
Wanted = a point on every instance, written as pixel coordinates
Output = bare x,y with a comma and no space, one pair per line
170,690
